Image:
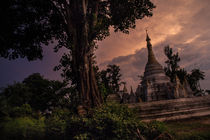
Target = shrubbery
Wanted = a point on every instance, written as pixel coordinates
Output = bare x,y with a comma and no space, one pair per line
111,122
22,128
56,124
39,109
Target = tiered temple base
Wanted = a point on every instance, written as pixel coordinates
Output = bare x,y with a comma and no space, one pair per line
175,109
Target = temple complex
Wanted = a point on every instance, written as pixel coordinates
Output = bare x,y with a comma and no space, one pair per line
153,94
155,85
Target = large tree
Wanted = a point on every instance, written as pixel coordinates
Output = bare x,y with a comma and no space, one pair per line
74,24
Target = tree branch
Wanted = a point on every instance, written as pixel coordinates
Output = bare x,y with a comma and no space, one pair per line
60,9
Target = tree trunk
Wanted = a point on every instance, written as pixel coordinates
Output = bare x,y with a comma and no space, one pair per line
85,75
88,85
82,57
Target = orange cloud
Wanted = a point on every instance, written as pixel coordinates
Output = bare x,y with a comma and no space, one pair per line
183,24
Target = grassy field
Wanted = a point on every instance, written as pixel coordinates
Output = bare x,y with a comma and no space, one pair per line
190,129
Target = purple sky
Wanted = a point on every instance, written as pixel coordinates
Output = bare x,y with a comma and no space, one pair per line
17,70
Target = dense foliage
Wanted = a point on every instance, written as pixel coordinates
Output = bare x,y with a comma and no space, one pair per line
109,122
110,79
113,121
41,94
28,25
38,108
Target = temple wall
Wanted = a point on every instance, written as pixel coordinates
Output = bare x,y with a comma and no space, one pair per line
175,109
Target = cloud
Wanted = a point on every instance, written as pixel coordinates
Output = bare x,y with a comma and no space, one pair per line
182,24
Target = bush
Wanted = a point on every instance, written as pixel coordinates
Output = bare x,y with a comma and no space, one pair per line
112,121
22,111
154,129
22,128
56,124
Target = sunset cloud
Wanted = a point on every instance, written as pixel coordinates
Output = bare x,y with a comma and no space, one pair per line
182,24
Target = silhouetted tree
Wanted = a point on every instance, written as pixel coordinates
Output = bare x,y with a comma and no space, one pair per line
115,77
27,25
172,63
16,94
111,78
41,94
174,69
194,78
182,74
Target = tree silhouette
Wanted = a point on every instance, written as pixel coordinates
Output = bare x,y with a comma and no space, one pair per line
194,78
172,63
173,69
41,94
115,77
111,78
74,24
182,74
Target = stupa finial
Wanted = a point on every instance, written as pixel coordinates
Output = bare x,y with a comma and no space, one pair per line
151,56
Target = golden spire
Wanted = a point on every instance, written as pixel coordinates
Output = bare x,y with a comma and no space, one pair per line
151,56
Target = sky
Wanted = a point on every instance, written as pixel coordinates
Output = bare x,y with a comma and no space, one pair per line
184,25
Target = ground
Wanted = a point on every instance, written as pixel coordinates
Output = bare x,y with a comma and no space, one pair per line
190,129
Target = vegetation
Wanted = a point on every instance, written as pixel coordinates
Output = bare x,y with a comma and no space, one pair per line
74,24
110,78
108,122
172,63
41,94
24,120
194,78
38,108
173,69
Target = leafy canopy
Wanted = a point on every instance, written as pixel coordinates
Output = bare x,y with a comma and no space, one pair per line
41,94
27,25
